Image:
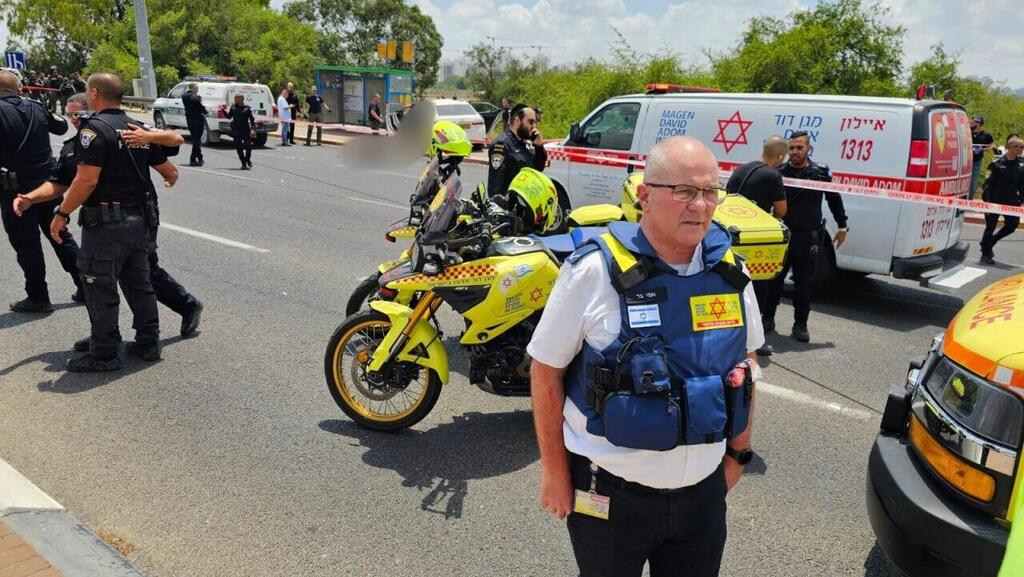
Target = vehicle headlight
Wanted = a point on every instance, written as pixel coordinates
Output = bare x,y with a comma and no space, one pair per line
983,408
954,470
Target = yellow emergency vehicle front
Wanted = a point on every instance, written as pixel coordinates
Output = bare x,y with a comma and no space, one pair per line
944,475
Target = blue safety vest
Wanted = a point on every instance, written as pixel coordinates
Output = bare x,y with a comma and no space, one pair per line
662,382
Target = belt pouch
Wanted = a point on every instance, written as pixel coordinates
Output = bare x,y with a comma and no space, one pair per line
649,422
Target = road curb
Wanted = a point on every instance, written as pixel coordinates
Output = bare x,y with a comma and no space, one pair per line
55,534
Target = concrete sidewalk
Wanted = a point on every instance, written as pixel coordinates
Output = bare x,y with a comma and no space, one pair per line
39,538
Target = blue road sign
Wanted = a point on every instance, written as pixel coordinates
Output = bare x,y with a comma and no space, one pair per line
15,60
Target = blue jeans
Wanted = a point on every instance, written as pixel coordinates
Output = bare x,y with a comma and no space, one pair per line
286,128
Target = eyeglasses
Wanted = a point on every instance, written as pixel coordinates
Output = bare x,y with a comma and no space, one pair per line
688,193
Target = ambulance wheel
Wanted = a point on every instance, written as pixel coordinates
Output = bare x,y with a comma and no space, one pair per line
894,571
391,400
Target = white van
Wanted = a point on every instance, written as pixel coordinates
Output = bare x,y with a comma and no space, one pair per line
218,96
900,144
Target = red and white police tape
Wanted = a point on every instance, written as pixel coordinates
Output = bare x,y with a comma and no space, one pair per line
852,189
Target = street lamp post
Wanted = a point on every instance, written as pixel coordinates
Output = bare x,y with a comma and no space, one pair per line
145,53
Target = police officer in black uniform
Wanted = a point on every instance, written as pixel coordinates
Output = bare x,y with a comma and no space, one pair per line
520,145
115,191
25,163
243,129
804,219
195,119
169,292
1004,185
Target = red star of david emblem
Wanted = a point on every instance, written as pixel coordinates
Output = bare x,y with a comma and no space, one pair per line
717,308
507,282
725,140
536,294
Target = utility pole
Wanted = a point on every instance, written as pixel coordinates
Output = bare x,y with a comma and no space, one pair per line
145,53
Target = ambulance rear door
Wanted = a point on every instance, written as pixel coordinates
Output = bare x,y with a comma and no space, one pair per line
595,156
940,165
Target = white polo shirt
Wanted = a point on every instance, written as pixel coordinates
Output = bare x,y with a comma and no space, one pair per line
584,306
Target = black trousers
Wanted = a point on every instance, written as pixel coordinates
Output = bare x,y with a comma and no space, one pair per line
682,533
169,292
195,130
801,260
243,145
114,254
990,237
23,234
314,118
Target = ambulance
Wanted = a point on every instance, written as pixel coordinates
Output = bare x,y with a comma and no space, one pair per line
944,477
921,146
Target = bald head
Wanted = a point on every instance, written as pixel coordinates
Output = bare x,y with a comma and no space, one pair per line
9,82
774,146
108,86
679,155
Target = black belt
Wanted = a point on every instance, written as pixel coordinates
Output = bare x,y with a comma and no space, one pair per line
621,483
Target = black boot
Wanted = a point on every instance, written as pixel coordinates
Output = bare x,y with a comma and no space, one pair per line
31,306
800,332
146,353
89,364
190,321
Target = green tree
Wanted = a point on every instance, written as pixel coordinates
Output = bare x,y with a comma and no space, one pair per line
842,47
352,29
486,68
60,33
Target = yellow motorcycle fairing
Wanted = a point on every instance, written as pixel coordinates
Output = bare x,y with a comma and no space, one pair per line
512,284
423,347
595,215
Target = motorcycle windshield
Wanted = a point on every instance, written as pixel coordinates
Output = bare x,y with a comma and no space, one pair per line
441,220
425,186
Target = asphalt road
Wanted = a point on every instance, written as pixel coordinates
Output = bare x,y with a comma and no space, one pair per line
230,458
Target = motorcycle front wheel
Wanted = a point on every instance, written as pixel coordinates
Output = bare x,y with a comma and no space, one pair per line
361,296
394,399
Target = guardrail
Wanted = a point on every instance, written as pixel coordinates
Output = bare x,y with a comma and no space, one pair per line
140,102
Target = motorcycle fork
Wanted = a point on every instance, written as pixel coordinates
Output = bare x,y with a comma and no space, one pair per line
428,304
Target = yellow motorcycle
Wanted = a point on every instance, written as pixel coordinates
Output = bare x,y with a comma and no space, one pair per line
385,366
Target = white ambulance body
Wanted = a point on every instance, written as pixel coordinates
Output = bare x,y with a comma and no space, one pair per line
900,144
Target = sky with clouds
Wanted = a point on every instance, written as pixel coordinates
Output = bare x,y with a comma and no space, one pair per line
986,33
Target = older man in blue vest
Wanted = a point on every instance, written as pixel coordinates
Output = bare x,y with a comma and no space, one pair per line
642,379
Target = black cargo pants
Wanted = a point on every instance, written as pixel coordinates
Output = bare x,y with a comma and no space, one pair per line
112,254
23,233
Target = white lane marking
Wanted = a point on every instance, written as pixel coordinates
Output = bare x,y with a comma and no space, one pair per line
17,492
392,173
210,237
805,399
224,174
959,279
377,202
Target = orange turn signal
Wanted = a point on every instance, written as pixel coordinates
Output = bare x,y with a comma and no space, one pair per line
953,469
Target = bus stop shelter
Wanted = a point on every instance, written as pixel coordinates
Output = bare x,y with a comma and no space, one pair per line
347,91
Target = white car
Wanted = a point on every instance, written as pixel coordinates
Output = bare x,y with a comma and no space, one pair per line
462,113
218,96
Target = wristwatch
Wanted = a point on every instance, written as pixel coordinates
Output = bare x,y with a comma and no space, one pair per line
64,215
742,456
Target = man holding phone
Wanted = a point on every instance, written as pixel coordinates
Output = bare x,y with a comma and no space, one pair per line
521,145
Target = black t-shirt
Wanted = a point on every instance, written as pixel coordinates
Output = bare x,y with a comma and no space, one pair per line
316,103
1005,182
67,163
760,183
803,206
373,108
242,119
99,144
979,138
34,161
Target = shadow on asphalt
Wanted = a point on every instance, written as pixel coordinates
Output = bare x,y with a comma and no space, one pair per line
71,383
443,460
12,319
876,565
786,344
876,302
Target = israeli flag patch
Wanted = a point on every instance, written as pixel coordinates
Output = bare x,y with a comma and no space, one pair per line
643,316
86,137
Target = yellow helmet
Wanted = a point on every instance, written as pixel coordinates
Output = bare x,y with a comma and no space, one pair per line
449,138
533,198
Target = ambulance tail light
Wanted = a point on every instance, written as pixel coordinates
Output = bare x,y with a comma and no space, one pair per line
952,469
917,167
